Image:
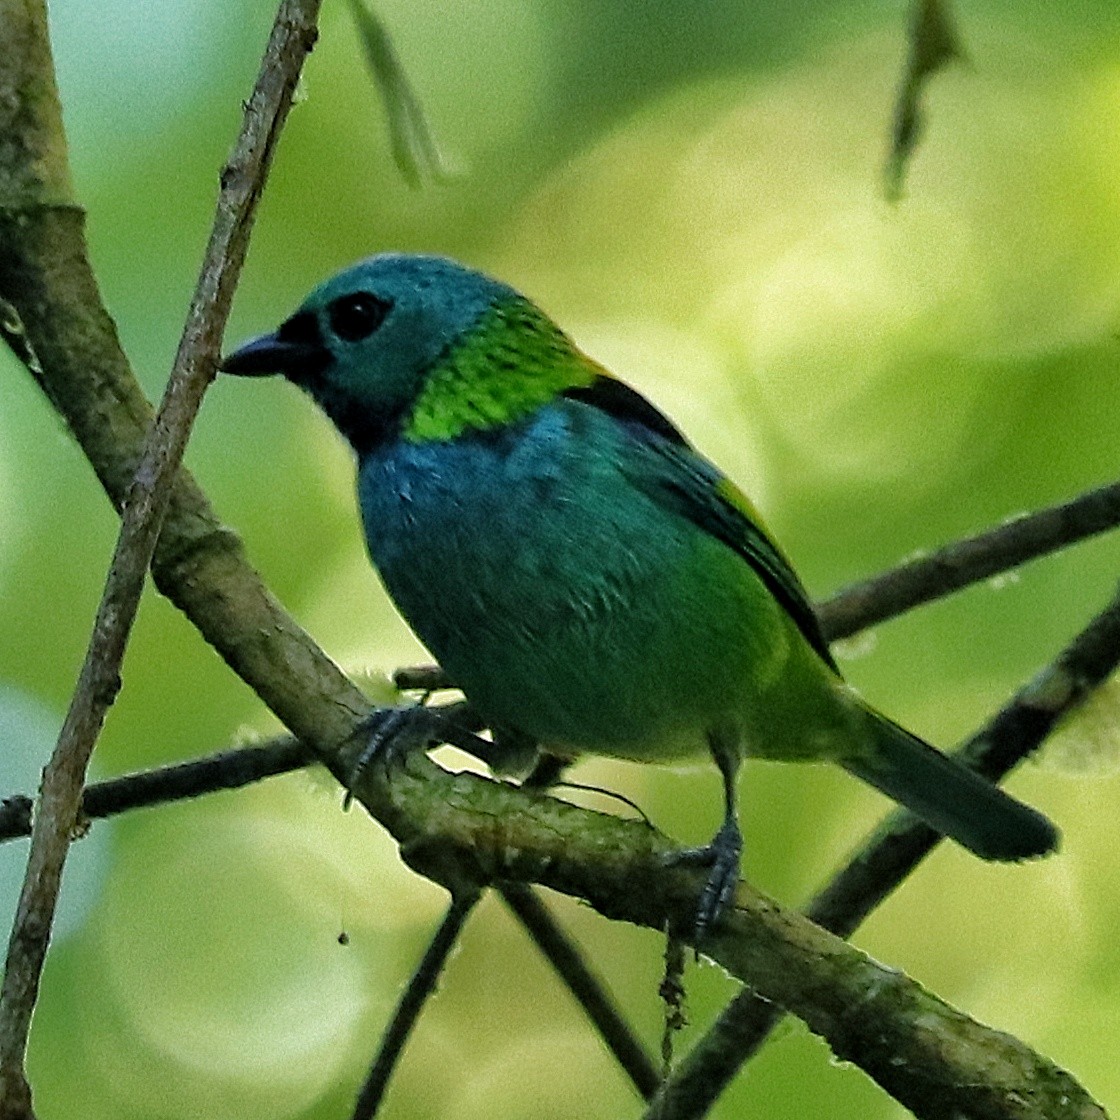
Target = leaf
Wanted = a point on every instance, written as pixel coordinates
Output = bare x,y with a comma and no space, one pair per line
934,43
413,144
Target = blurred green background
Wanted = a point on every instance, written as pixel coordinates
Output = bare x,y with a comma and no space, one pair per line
692,187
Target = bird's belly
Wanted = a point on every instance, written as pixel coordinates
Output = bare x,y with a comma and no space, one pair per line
600,624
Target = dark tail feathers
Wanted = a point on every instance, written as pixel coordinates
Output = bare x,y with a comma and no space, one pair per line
950,797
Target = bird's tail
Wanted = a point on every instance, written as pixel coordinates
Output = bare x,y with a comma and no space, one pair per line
950,797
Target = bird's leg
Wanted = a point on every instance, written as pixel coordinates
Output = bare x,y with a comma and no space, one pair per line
722,854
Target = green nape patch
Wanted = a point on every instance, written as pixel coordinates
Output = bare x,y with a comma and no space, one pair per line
513,362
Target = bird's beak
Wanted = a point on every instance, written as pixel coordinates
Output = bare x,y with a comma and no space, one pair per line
263,355
269,353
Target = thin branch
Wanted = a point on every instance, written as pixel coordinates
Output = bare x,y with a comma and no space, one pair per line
891,853
147,502
969,561
230,769
588,988
417,992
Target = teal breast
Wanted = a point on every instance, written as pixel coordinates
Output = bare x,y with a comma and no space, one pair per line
565,602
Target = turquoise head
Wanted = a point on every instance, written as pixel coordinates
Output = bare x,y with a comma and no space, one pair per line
365,342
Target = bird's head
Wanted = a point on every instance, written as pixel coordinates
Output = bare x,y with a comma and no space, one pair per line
415,345
365,342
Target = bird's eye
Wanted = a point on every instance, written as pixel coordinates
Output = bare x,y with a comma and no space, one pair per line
357,316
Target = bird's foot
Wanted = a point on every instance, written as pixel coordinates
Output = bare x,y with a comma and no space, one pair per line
395,732
392,734
722,856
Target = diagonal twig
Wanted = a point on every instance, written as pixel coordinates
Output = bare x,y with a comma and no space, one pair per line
229,769
147,501
891,853
588,989
969,561
416,994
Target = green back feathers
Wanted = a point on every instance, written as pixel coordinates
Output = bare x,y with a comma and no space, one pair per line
515,360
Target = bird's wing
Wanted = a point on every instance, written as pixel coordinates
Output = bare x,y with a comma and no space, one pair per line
662,463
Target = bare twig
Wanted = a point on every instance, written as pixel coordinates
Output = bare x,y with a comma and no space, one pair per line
891,853
420,987
228,769
969,561
589,989
148,498
421,678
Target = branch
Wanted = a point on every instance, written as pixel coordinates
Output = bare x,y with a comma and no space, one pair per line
232,769
891,853
930,1057
419,989
229,769
589,990
969,561
149,495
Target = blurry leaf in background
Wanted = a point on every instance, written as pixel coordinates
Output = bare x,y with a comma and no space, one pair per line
933,43
834,312
213,965
415,150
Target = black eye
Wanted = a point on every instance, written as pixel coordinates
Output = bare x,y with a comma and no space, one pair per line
357,316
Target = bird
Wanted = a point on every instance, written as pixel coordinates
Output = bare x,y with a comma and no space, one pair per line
581,572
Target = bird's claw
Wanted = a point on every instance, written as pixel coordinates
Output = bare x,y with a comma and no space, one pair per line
393,734
722,856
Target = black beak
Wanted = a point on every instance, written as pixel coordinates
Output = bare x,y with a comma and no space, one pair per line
296,350
267,354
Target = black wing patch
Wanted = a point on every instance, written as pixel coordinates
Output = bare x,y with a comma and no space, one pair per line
626,405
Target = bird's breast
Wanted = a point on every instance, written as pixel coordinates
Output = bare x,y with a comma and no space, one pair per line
563,601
